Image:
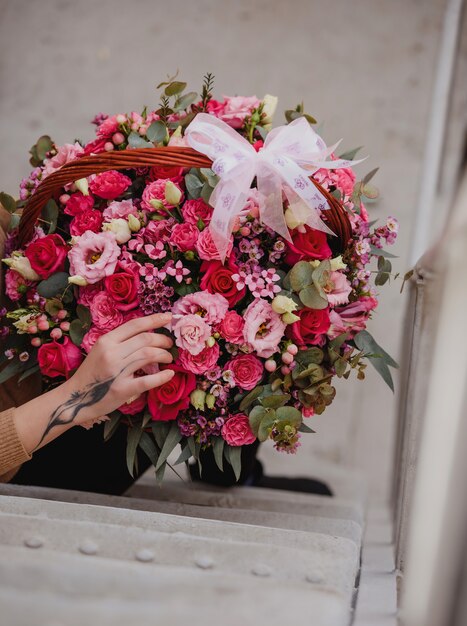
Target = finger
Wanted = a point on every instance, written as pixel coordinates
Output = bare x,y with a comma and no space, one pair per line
143,340
139,325
145,383
147,355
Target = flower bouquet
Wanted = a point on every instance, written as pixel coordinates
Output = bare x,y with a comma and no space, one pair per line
257,240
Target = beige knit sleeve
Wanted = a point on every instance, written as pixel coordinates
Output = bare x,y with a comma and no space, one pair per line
12,451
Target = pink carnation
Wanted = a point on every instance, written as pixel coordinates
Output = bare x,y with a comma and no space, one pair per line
195,210
206,247
77,203
108,127
191,333
91,337
199,363
15,285
237,431
86,294
211,306
117,210
66,153
338,289
264,328
236,109
104,312
247,370
109,185
156,191
90,219
184,236
94,256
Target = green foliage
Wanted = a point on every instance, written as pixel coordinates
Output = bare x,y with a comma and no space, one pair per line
173,438
293,114
233,457
350,155
111,425
53,286
8,202
218,444
384,271
133,438
40,149
136,141
251,397
378,357
50,215
157,132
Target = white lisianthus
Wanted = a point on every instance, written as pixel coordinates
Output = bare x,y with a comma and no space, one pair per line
77,280
172,193
197,399
297,214
21,264
283,304
269,108
83,186
337,264
120,228
134,223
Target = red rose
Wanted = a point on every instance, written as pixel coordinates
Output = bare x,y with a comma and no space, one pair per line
247,370
89,219
237,431
166,171
77,203
59,359
165,402
134,407
47,255
231,327
123,288
109,185
217,278
312,244
308,330
184,236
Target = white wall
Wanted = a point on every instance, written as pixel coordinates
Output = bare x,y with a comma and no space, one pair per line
365,68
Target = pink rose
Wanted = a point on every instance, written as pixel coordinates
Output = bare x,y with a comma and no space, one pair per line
94,256
195,210
95,146
91,337
156,191
214,107
105,315
236,109
337,289
59,359
206,247
231,327
136,406
15,285
109,185
191,333
211,306
264,328
89,219
77,203
66,153
237,432
199,363
86,294
247,370
47,255
116,210
184,236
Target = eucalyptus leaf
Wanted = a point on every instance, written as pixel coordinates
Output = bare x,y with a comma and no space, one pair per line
366,179
311,298
43,146
174,88
378,252
133,438
218,450
50,215
8,202
275,401
206,192
53,286
193,185
233,456
289,414
266,424
157,132
77,332
301,275
136,141
29,372
186,100
84,314
312,355
250,398
160,473
257,414
173,438
350,155
377,356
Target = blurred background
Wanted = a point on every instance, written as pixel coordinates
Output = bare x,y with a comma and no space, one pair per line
370,72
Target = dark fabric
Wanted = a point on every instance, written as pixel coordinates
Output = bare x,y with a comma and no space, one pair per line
81,460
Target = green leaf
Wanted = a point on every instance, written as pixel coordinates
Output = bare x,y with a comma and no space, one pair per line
157,132
194,448
44,144
173,438
378,252
193,185
174,88
256,415
218,449
313,371
53,286
160,473
337,342
84,314
340,366
251,397
366,179
233,456
136,141
311,298
29,372
289,414
312,355
8,202
149,447
111,426
186,100
305,429
77,332
275,401
301,275
160,431
370,192
185,454
50,215
133,437
266,424
349,155
378,357
206,192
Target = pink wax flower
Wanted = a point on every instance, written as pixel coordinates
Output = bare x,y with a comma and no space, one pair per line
94,256
237,431
119,210
199,363
66,153
195,210
231,327
104,313
91,337
206,247
237,108
77,203
264,328
109,185
191,333
247,370
156,191
184,237
15,285
211,306
89,219
337,289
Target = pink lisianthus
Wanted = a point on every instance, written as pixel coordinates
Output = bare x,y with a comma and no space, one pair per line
184,237
231,327
91,337
94,256
207,249
247,370
77,203
116,210
109,185
199,363
89,219
15,285
210,306
237,108
351,318
264,328
337,289
191,333
237,431
105,315
195,210
66,153
156,192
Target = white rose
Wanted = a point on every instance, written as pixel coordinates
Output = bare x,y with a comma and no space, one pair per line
269,107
